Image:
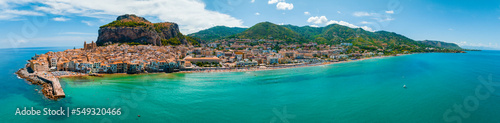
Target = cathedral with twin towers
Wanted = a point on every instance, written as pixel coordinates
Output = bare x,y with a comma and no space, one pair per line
89,46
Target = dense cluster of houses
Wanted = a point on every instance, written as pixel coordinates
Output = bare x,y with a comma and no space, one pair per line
110,59
229,53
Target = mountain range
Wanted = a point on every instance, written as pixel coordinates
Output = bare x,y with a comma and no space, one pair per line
442,44
217,32
331,34
132,29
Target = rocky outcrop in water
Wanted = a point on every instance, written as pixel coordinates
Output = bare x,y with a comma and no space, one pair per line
133,29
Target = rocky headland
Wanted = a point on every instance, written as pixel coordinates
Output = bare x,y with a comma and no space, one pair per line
130,28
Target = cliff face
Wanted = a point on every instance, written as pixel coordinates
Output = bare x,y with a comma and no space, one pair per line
110,35
167,30
134,29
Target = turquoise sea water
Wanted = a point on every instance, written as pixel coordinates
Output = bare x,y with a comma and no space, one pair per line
360,91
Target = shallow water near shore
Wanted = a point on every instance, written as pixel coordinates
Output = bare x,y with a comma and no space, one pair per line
360,91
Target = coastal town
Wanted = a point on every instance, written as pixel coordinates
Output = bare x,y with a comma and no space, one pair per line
225,55
133,45
219,55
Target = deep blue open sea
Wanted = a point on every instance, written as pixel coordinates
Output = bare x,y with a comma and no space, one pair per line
441,87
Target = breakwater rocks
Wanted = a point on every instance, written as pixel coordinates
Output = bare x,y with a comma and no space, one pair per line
47,89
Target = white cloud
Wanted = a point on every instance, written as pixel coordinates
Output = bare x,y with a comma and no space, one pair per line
367,28
60,19
281,4
365,22
450,29
257,13
383,19
339,12
9,14
313,25
307,13
8,11
380,17
324,20
253,1
284,6
191,15
362,14
273,1
317,20
343,23
87,22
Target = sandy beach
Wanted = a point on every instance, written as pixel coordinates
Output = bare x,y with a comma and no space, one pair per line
282,67
62,74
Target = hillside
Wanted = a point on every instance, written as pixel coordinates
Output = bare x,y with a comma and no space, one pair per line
306,32
267,30
132,29
217,32
441,44
336,34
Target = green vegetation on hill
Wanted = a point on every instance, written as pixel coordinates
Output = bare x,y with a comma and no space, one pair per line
217,32
441,44
177,40
158,27
118,23
168,32
389,42
171,41
193,40
306,32
267,30
361,39
333,34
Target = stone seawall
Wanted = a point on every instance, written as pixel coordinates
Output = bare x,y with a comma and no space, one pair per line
47,88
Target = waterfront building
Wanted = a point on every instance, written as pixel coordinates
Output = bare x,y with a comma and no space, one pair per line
272,60
239,56
53,61
205,60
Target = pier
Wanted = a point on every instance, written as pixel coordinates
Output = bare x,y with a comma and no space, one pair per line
56,86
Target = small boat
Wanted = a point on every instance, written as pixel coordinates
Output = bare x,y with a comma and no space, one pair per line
404,86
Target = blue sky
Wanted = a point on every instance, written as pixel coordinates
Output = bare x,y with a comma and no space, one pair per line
31,23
